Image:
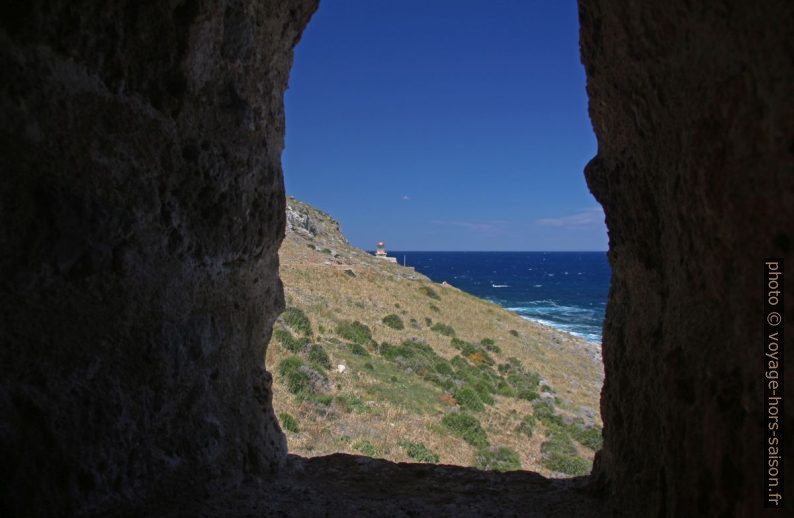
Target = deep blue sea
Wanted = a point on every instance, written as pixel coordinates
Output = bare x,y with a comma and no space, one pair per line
566,290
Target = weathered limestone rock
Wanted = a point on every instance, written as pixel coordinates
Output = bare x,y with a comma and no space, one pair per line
143,207
691,103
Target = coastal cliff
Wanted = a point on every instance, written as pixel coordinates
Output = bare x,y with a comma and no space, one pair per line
374,358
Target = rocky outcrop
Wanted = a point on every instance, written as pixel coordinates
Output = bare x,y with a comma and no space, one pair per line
143,208
692,107
314,225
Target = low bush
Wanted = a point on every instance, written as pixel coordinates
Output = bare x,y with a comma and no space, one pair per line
503,389
365,448
587,437
297,320
351,403
559,454
467,398
444,369
497,459
435,308
514,332
299,383
393,321
458,344
349,272
326,251
527,426
490,345
430,292
322,399
354,331
544,411
527,394
483,390
318,356
290,364
466,427
419,452
288,422
443,329
358,350
288,341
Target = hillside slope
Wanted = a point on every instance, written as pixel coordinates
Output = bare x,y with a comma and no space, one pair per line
374,358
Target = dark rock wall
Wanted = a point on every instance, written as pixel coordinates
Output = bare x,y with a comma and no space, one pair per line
143,206
693,109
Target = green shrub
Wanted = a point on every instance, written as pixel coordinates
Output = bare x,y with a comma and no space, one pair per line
503,389
514,332
467,349
419,452
483,391
497,459
290,364
299,383
544,411
318,355
466,427
467,398
349,272
490,345
527,426
322,399
430,292
354,331
297,320
326,251
289,342
358,350
527,394
458,344
444,369
312,246
288,422
443,329
366,448
588,437
559,454
351,403
428,321
433,307
393,321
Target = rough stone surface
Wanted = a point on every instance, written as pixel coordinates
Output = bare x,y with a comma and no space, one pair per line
350,485
143,207
693,109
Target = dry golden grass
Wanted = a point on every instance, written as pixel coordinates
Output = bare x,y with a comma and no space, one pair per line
317,283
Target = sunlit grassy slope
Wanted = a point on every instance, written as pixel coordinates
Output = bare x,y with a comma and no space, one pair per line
431,374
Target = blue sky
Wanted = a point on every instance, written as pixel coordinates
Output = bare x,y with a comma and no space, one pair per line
444,125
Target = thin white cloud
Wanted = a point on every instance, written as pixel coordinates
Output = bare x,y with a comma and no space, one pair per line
585,218
406,197
478,227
